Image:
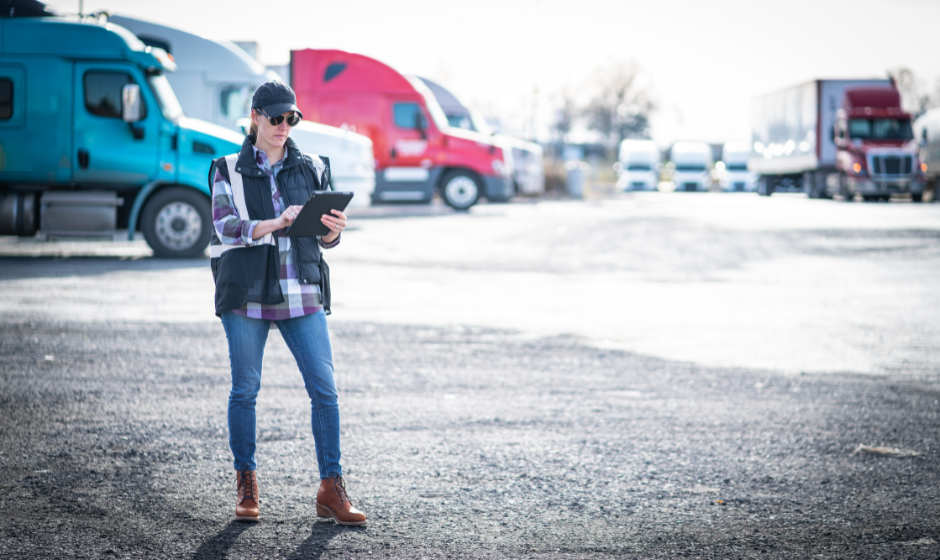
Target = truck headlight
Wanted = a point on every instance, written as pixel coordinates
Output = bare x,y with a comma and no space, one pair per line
500,168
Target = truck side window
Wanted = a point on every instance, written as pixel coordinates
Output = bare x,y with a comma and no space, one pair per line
406,115
6,99
333,70
235,101
104,94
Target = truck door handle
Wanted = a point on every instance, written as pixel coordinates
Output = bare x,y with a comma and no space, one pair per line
83,159
393,153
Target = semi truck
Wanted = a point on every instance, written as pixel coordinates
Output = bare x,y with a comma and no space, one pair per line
927,133
527,166
692,162
835,137
638,165
93,139
735,176
416,151
215,80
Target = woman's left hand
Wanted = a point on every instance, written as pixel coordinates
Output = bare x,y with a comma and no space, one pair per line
336,223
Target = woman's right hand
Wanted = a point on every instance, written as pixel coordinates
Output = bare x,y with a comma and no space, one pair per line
288,216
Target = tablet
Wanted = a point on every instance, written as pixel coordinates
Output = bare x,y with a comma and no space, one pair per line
307,223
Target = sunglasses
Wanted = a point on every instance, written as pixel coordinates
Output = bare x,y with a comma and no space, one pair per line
292,120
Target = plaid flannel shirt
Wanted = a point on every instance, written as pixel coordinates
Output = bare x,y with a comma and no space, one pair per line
299,299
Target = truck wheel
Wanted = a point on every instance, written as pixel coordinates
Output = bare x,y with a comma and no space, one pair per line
460,189
809,185
844,189
764,187
176,223
917,197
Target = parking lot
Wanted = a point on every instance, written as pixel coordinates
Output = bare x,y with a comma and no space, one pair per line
642,375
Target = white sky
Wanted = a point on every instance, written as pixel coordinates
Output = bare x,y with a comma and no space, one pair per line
705,59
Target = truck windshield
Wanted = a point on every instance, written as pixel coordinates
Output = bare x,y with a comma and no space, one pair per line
169,104
437,114
881,129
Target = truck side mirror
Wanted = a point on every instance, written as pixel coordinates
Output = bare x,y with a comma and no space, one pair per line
832,133
130,97
421,124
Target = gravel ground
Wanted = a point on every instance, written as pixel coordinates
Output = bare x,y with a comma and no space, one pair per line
645,376
459,443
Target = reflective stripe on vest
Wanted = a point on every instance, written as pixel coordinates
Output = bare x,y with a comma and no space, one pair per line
238,197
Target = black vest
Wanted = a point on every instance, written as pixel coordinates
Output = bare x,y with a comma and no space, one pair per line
251,274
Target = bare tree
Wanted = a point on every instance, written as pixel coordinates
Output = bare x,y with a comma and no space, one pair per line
565,115
619,107
913,97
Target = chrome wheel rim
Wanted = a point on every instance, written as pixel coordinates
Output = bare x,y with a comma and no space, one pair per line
461,191
178,226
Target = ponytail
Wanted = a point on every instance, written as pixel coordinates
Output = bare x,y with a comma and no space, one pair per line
253,129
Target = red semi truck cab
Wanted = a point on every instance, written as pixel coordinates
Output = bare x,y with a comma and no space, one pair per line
877,154
416,152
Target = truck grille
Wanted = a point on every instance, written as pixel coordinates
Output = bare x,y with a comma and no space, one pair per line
892,165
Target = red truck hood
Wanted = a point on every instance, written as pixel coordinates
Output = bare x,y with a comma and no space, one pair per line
469,135
469,142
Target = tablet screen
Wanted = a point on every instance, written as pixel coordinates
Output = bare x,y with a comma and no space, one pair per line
307,223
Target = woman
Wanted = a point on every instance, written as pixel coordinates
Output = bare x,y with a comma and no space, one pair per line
262,275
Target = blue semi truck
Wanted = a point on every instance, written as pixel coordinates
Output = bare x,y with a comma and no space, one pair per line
93,139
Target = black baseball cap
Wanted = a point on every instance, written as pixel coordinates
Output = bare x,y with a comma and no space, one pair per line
275,98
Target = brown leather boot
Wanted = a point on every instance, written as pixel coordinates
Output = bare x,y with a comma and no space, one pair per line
332,501
246,506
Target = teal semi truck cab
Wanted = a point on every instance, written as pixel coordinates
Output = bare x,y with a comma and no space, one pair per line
93,139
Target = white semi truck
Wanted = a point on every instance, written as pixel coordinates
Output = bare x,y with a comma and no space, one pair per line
215,81
638,165
735,177
693,162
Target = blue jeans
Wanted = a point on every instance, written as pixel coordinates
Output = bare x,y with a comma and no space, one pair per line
309,342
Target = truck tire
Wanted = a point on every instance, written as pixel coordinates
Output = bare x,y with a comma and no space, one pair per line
176,223
844,189
809,185
917,197
460,189
765,186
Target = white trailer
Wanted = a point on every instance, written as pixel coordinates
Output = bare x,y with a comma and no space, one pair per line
638,165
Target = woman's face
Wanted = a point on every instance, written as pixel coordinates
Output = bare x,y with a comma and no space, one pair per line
269,134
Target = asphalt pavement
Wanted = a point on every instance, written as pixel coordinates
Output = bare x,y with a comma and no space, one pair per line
636,376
